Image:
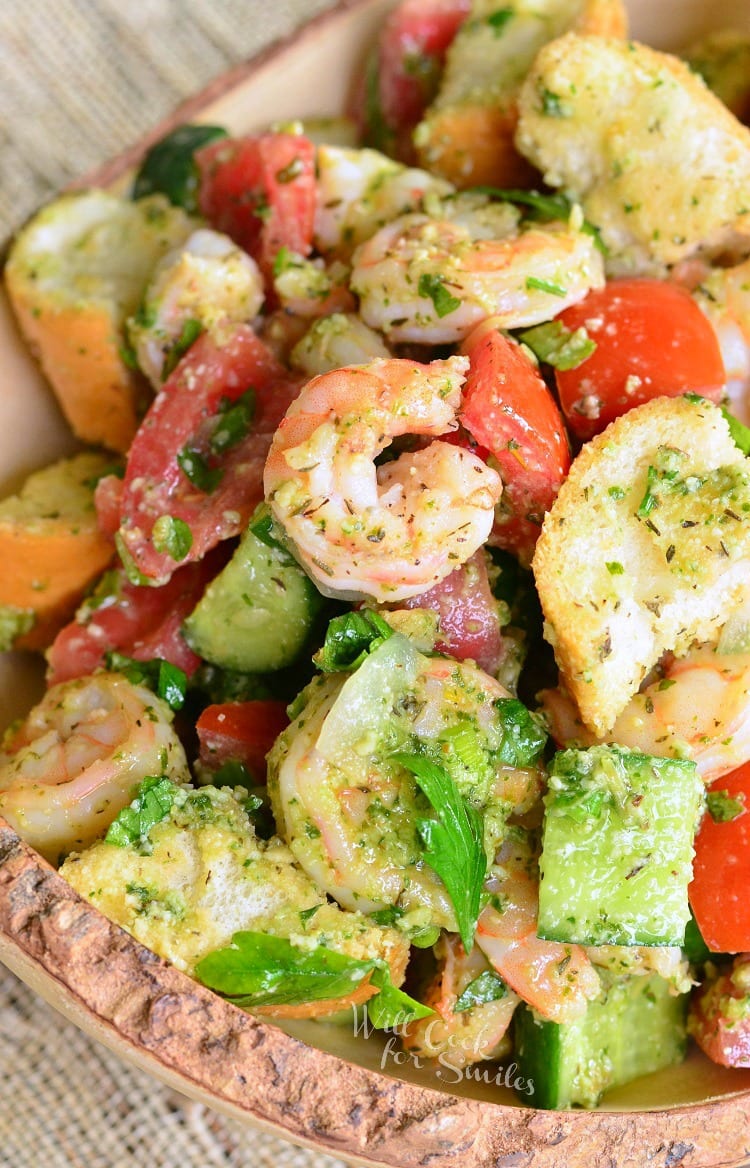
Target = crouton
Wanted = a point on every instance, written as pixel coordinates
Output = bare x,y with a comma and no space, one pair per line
658,163
74,274
467,134
51,550
645,550
204,875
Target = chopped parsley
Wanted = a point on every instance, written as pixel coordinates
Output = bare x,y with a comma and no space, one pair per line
433,288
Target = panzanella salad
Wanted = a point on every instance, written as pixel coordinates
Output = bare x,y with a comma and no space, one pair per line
397,615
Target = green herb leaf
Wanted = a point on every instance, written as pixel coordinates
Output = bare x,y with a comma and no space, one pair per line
190,332
615,568
723,807
543,207
739,432
129,566
195,468
552,104
265,528
387,916
392,1007
165,679
533,282
488,987
649,500
557,346
453,842
498,20
235,419
433,288
171,537
152,803
349,639
523,737
169,167
306,914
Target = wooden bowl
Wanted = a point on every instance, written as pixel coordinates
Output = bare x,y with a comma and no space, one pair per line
318,1085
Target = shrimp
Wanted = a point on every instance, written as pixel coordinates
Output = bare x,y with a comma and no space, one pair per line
333,341
73,764
350,813
393,531
471,1035
723,294
557,980
432,281
698,708
208,282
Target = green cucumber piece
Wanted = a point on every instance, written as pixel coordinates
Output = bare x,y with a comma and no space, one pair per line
257,615
169,166
617,847
635,1028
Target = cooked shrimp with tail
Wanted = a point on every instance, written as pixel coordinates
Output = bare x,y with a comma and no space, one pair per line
386,532
68,770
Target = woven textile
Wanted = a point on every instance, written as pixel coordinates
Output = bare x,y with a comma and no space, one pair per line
79,81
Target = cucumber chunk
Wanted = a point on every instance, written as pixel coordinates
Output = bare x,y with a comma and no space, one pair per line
635,1028
617,847
257,615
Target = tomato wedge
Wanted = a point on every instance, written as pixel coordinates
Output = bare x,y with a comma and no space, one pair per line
405,71
652,340
260,191
240,732
142,623
195,469
509,410
470,626
719,1018
721,869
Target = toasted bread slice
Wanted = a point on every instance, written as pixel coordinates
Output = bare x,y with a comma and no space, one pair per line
75,272
645,550
51,550
467,134
658,163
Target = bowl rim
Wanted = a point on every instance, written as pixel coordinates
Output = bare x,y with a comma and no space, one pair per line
69,952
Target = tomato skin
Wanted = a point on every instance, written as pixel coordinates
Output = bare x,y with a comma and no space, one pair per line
240,732
260,191
509,410
410,58
139,622
652,341
719,1017
183,414
721,872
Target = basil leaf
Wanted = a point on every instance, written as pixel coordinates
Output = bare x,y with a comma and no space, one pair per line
169,166
392,1007
433,288
349,639
152,803
165,679
265,528
557,346
259,970
235,419
453,842
497,20
171,537
190,332
739,432
723,807
488,987
195,468
523,737
543,207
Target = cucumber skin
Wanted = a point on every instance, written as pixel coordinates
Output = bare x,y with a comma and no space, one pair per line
257,614
635,1028
618,875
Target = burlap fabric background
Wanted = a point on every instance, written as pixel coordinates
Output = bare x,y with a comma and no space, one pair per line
79,80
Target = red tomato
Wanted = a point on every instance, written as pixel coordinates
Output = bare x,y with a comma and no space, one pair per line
185,416
721,872
406,71
140,622
719,1018
260,191
509,410
652,341
240,732
469,618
